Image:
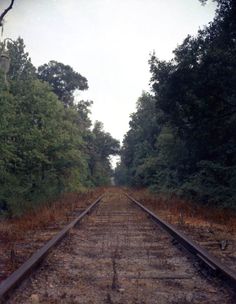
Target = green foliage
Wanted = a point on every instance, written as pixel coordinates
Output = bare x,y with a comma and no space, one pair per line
45,147
63,80
138,151
101,146
186,144
21,66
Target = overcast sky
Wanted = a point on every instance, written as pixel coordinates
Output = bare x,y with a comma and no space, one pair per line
108,42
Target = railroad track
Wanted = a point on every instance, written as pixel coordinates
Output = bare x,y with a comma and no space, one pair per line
118,255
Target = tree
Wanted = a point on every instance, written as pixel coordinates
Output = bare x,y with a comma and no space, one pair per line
63,80
101,146
7,145
21,67
190,148
139,151
45,148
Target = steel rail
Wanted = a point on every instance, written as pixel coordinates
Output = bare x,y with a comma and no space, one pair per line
26,268
202,254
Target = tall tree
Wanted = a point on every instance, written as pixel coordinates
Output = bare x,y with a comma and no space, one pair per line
101,146
21,67
63,80
46,148
194,141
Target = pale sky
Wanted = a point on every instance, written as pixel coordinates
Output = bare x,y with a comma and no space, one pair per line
108,42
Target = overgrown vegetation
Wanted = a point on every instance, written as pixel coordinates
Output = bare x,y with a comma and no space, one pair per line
36,227
47,143
182,212
182,137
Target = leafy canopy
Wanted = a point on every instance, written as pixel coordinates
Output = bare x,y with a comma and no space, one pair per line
63,80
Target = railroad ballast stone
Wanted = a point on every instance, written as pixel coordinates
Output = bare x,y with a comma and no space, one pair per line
117,255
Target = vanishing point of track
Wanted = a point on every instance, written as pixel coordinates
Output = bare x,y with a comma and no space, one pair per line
119,255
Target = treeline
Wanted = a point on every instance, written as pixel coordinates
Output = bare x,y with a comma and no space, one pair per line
47,142
182,137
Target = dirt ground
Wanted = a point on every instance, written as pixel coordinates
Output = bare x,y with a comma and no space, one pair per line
117,255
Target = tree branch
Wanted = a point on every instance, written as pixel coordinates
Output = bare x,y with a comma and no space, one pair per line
6,11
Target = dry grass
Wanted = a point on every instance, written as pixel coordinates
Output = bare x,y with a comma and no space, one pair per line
50,214
20,237
180,211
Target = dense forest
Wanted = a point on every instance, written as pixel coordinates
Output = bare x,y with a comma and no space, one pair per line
182,137
47,142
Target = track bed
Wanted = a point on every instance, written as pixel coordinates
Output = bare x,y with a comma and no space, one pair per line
118,255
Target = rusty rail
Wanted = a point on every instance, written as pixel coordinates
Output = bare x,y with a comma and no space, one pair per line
199,252
25,269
